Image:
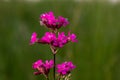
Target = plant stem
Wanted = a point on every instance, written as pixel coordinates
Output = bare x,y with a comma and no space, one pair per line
54,65
54,51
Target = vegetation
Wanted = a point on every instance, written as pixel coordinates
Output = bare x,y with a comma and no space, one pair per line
97,26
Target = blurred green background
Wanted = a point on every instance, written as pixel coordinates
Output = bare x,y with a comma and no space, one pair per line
96,24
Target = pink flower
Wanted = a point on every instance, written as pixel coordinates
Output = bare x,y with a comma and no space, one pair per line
62,22
47,38
50,38
41,67
60,41
72,37
37,64
57,41
33,38
49,20
65,68
48,64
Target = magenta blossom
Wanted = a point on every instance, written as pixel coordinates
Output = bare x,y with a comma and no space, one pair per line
41,67
65,68
33,38
48,64
72,37
57,41
47,38
61,21
60,41
49,20
37,64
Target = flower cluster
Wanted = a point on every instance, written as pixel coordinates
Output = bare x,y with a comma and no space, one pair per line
65,68
52,39
55,40
42,67
49,20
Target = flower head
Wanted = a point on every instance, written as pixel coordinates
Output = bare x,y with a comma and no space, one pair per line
57,41
65,68
60,41
48,64
72,37
47,38
49,20
42,67
37,64
61,21
33,38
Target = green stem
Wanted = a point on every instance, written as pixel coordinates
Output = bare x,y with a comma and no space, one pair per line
54,65
54,51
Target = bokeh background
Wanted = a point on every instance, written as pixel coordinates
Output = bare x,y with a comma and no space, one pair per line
96,24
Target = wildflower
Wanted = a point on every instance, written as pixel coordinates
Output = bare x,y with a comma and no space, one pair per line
37,64
61,22
65,68
60,41
57,41
72,37
47,38
33,38
49,20
48,64
42,68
